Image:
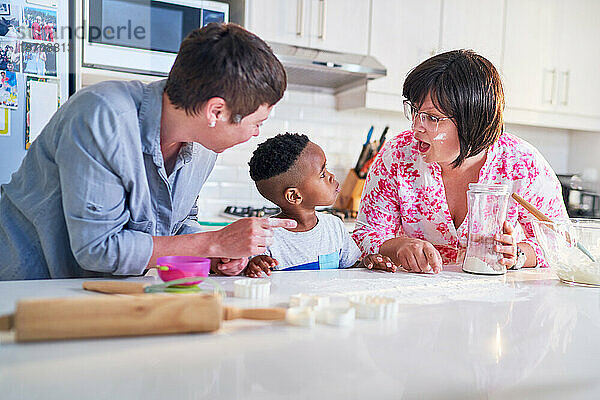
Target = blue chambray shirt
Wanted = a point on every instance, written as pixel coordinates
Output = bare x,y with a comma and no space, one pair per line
93,190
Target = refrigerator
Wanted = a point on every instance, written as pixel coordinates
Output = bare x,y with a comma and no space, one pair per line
34,68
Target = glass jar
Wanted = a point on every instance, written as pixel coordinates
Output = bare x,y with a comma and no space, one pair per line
487,211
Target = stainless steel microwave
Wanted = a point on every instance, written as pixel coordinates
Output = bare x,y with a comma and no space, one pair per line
142,36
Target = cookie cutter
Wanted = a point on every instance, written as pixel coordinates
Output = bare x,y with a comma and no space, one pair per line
337,315
308,300
252,288
301,316
305,305
375,307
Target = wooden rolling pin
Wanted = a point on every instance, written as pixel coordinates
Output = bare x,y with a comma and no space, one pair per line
105,316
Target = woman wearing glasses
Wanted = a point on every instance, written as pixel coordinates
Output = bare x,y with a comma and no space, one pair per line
414,205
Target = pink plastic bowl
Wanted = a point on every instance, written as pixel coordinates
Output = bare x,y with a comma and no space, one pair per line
182,267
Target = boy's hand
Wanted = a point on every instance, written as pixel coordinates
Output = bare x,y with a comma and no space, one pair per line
379,261
258,265
229,267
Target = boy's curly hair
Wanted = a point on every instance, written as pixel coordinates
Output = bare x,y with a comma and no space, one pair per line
276,155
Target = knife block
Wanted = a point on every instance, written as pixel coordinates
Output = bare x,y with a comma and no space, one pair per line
349,197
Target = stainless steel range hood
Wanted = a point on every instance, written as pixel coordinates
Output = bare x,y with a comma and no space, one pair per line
320,69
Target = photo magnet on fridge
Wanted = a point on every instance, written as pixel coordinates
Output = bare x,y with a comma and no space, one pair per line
39,24
39,58
9,20
10,55
9,95
4,8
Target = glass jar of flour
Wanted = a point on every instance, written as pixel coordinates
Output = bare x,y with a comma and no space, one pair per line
487,211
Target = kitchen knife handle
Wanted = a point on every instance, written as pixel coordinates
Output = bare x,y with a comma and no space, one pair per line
115,287
6,322
361,158
265,314
382,138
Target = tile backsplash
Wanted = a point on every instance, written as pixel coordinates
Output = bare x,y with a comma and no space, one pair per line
341,135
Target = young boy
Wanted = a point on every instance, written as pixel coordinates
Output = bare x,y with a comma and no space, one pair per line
290,171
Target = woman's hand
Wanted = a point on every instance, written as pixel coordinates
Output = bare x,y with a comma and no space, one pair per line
414,255
378,261
507,246
260,264
229,267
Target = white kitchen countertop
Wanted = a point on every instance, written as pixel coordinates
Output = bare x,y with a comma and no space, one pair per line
519,336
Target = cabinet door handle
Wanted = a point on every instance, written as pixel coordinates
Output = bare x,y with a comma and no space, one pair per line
548,96
299,17
564,98
322,12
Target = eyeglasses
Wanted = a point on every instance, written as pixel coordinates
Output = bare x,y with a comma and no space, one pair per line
429,121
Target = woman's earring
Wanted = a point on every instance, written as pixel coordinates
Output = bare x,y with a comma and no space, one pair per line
212,124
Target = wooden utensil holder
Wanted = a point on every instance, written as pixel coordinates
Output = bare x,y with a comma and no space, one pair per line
349,197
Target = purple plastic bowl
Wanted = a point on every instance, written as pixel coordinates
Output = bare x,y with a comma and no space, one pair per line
182,267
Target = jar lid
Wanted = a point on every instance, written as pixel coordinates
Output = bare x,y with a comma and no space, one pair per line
495,188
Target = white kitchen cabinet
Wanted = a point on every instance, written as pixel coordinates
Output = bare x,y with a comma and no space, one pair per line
578,66
406,32
550,54
545,51
283,21
403,33
335,25
530,53
476,25
341,25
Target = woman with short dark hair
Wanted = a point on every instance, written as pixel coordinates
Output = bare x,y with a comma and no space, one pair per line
414,205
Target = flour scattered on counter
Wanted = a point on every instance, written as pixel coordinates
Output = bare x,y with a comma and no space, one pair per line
417,289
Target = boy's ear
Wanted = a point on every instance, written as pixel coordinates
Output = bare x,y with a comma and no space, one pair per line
292,196
215,110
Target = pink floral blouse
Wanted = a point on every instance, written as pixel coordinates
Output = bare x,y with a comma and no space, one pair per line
404,196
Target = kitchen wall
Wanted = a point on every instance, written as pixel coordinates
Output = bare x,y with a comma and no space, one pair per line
552,143
583,157
341,135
